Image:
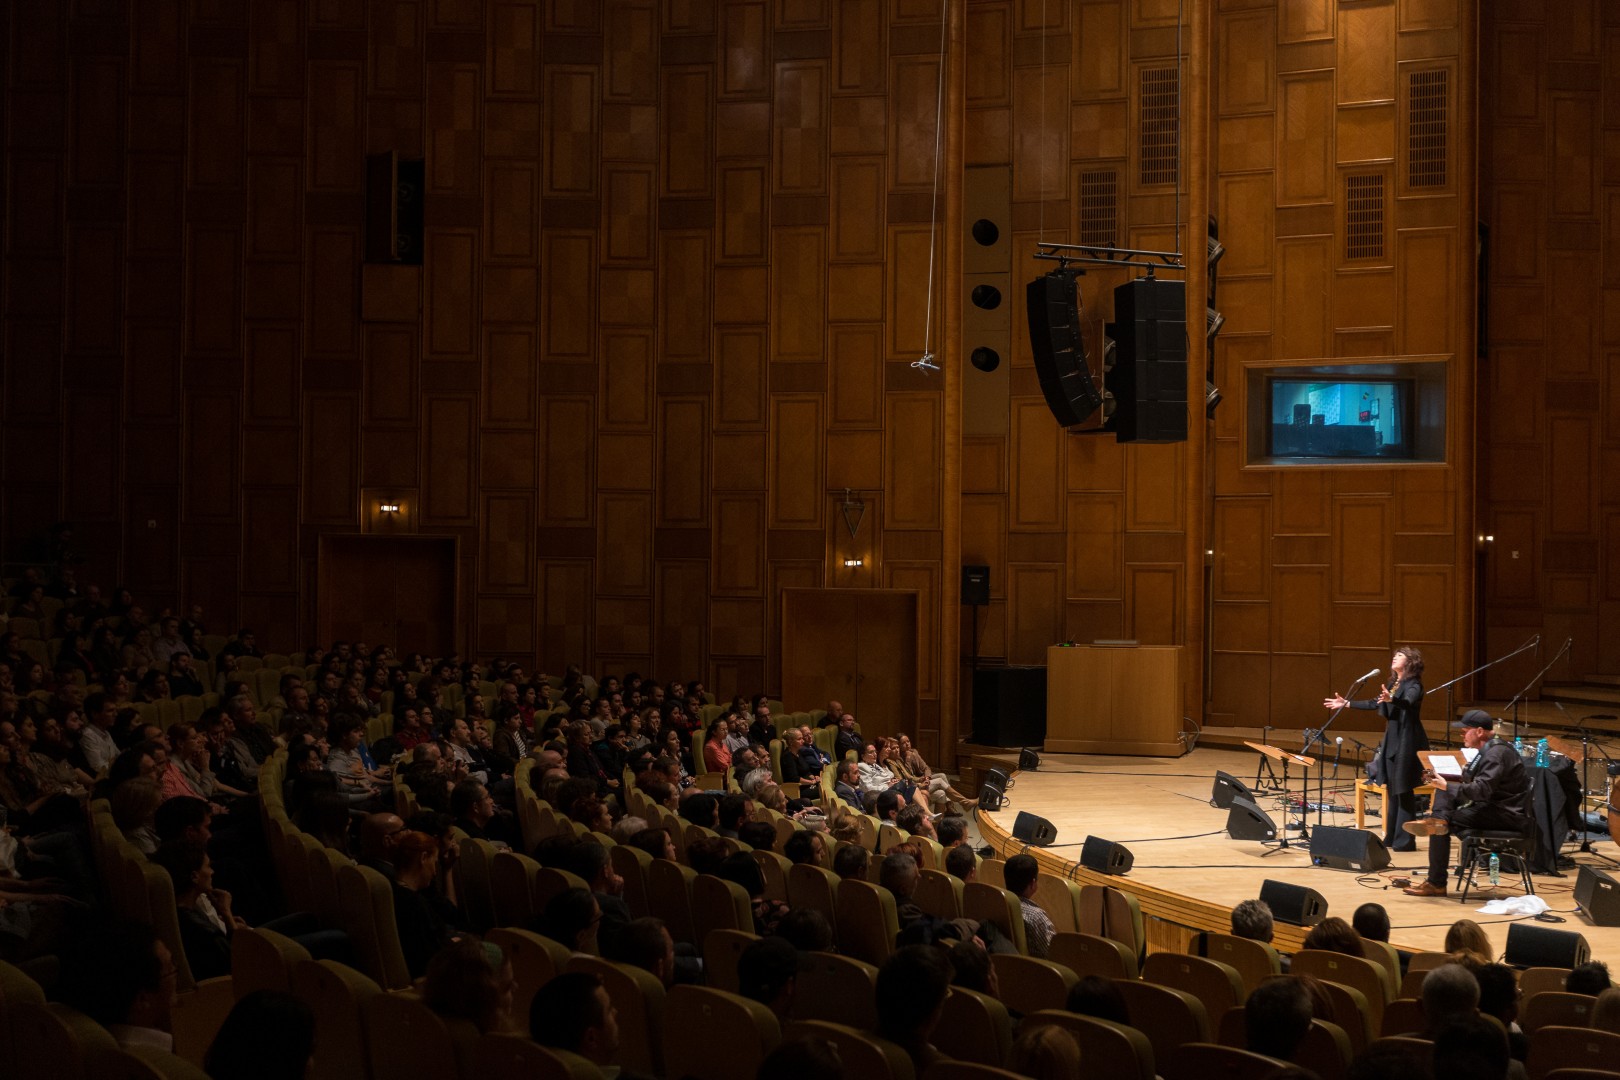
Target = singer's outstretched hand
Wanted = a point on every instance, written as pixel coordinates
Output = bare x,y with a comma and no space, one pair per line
1384,695
1337,701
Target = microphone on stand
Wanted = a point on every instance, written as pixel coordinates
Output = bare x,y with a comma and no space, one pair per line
1338,750
1369,675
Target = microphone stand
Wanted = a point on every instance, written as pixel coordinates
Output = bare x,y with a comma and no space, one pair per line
1587,743
1537,677
1451,707
1317,735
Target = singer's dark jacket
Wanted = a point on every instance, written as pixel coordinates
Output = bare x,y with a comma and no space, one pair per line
1398,766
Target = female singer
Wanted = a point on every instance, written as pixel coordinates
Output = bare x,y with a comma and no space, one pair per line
1401,703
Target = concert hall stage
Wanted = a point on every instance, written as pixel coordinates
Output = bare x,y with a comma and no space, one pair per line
1193,876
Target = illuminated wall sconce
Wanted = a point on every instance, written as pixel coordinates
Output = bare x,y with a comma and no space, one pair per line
388,508
854,562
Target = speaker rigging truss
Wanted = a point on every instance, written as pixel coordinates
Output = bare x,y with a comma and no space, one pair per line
1100,255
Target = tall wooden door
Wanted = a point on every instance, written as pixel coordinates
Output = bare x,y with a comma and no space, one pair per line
856,645
396,590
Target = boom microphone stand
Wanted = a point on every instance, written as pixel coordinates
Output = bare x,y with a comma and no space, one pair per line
1537,677
1318,735
1451,708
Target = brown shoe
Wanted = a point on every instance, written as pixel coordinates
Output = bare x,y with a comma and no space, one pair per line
1425,888
1426,826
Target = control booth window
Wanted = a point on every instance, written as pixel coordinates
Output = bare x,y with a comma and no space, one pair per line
1327,414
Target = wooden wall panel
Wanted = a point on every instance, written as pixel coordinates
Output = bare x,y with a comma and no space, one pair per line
567,470
911,464
448,456
683,461
796,462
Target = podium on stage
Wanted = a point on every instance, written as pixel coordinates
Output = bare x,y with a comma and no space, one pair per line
1114,699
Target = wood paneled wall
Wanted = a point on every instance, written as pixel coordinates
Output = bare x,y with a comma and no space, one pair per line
1085,538
1549,419
1317,572
675,272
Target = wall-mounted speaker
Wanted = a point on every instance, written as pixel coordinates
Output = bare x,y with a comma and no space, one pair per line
1246,821
1053,304
1597,894
976,585
1348,849
1105,856
1034,830
1294,904
1149,380
1227,787
1540,946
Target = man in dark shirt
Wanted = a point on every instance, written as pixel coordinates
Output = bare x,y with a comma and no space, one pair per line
582,762
847,787
1490,795
848,738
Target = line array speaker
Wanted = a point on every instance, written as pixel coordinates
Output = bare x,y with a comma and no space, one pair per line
1053,303
1149,381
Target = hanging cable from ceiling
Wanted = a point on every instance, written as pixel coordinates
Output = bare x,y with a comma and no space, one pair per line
926,361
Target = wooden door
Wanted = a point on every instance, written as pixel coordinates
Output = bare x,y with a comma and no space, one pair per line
396,590
856,645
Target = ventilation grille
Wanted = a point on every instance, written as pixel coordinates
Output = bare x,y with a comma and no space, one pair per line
1099,201
1364,217
1426,134
1159,127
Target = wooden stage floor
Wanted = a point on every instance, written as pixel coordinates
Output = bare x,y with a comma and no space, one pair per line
1189,872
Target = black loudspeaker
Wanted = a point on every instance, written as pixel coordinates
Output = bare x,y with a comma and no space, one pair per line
993,790
394,188
1028,760
976,585
1293,904
1227,788
1009,706
1053,302
1538,946
1033,830
1597,894
1246,821
1149,379
1105,856
1348,849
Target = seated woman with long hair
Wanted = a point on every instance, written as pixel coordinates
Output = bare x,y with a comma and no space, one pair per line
716,755
425,922
471,980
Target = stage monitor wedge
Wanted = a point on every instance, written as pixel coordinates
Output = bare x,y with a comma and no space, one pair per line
1034,830
1597,894
1293,904
1348,849
1227,787
1540,946
1105,856
1246,821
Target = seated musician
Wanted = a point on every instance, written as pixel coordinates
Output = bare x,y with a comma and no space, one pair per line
1489,795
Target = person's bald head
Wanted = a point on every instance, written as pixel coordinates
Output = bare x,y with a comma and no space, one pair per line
378,832
551,759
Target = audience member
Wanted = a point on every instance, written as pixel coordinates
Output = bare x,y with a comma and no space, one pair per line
267,1035
1277,1017
573,1012
1590,978
767,972
1047,1052
1252,919
1371,921
911,989
807,930
851,861
122,976
1021,874
1098,997
471,980
1469,940
1333,934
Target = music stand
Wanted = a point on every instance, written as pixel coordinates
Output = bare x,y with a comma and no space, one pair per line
1286,758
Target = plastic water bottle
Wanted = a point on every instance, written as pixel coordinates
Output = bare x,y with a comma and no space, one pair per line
1496,869
1518,746
1542,758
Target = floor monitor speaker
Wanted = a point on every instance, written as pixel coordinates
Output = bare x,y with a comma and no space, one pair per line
1294,904
1034,830
1246,821
1105,856
1028,760
1540,946
1597,894
1227,787
1348,849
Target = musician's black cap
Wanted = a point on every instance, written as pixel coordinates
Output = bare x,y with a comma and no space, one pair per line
1477,718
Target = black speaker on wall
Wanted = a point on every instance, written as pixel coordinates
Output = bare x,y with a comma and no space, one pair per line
1597,894
1539,946
1033,829
1053,303
1348,849
1105,856
976,585
1149,379
1246,821
1009,706
1294,904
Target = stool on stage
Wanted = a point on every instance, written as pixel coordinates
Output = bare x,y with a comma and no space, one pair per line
1364,787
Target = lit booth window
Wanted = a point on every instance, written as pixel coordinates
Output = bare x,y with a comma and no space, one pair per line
1323,413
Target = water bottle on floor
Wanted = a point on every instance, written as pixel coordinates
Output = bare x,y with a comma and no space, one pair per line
1496,869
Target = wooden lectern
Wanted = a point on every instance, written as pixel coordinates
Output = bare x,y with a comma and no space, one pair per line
1114,699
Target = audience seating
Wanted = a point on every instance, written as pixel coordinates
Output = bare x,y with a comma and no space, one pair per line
973,1027
511,886
839,989
55,1042
1572,1048
1403,1016
639,998
367,901
473,883
669,896
939,894
867,923
1539,980
721,950
987,903
718,904
406,1038
535,958
1364,975
774,869
1215,984
1117,1051
1060,899
512,1057
1350,1012
1211,1061
1385,955
337,995
631,864
965,1070
263,960
692,1017
547,882
1166,1016
1555,1008
1089,954
1325,1051
16,990
863,1054
1110,912
1029,984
